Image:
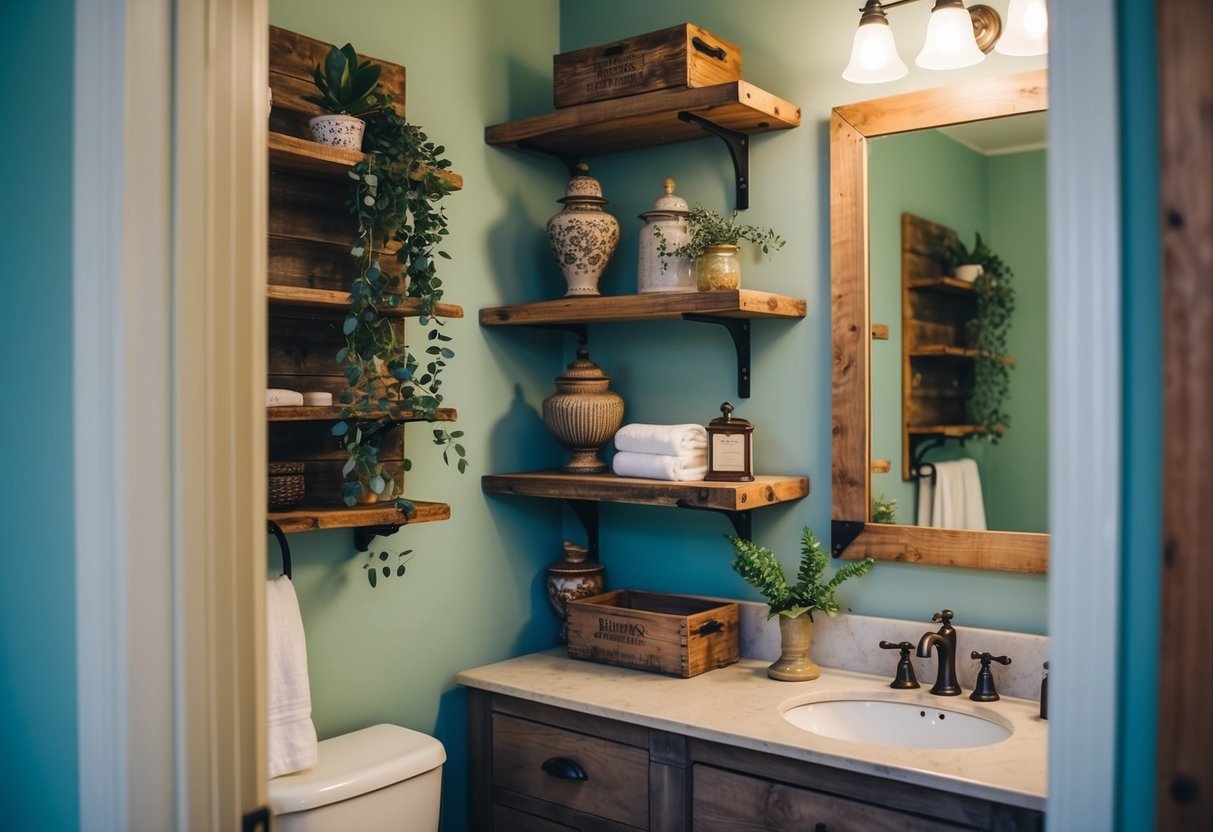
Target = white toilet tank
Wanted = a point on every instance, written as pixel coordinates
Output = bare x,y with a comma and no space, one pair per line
380,778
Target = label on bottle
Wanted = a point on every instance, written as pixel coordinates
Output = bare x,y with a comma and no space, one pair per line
728,452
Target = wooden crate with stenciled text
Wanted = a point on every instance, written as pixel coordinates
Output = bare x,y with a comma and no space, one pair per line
679,57
675,634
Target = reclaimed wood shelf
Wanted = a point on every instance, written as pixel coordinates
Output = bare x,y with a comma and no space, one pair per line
949,351
608,488
340,517
308,158
339,301
736,303
731,309
946,285
646,119
328,413
951,431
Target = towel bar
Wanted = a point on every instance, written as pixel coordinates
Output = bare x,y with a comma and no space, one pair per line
276,531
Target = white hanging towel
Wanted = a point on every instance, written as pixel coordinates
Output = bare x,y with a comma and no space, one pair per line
292,741
951,499
668,440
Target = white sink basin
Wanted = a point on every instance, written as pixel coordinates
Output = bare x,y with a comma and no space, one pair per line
895,723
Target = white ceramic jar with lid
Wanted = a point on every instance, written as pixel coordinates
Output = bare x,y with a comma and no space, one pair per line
668,220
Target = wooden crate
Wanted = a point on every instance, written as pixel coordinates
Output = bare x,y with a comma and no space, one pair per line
675,634
680,56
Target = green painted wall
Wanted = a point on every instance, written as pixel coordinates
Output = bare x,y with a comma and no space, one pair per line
473,592
38,756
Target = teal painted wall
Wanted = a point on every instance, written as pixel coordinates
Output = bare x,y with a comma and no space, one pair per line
1141,534
683,372
473,592
38,756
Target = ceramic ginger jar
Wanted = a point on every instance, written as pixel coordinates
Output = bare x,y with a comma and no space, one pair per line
583,415
571,579
666,221
582,235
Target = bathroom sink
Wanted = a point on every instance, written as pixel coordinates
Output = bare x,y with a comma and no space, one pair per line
894,723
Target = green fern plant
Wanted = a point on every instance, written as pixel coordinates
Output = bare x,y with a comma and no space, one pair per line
762,570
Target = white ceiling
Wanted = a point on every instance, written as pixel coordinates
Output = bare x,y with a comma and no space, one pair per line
1003,135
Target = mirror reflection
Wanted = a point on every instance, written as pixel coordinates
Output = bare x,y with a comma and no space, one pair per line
933,403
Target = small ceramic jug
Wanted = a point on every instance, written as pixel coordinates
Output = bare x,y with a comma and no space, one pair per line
571,579
583,236
667,221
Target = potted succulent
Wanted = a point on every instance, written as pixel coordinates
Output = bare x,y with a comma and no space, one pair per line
349,90
794,603
713,245
988,331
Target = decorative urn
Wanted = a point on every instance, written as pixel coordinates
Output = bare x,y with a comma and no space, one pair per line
667,222
582,235
571,579
583,415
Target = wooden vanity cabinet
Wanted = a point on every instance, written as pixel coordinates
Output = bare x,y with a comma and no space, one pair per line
643,778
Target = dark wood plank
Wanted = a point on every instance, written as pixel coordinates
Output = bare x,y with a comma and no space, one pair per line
1185,722
331,413
739,303
313,519
339,302
301,156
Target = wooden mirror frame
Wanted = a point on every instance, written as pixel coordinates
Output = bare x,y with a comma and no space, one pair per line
851,126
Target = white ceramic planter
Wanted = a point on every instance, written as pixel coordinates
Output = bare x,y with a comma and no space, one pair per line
338,131
969,273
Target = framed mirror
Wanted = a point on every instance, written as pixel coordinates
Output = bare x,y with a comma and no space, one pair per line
853,131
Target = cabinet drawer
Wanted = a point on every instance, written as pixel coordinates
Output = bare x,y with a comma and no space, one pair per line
616,784
731,802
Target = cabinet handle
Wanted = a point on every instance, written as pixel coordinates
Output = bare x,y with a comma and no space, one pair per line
706,48
564,768
821,827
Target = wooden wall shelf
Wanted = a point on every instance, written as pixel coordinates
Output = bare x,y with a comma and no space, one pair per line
739,304
339,302
331,413
646,120
315,519
308,158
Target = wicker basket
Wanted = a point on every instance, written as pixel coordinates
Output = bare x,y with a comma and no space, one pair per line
285,485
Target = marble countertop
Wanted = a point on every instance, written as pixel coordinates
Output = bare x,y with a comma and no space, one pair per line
739,706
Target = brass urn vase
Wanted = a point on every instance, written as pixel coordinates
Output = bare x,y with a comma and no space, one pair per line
583,415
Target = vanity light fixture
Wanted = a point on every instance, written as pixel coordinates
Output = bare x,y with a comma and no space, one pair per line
956,37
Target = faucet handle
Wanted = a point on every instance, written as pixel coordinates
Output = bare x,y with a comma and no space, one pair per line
905,679
943,615
983,690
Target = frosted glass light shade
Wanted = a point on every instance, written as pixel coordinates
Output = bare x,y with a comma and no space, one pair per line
1027,29
950,43
874,57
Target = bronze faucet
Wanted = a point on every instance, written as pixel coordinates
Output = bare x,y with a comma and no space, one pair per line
944,642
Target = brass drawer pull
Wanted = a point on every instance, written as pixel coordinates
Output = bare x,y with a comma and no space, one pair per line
564,768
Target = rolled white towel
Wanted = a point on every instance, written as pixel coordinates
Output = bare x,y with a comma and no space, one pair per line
670,440
683,468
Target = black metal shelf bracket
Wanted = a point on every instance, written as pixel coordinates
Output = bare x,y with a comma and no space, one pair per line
570,162
843,534
739,329
587,513
363,535
742,521
739,149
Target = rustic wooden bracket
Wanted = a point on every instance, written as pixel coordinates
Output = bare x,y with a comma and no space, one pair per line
739,149
739,329
363,535
843,534
743,523
587,513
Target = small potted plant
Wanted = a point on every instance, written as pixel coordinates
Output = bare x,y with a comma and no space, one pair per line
964,263
794,603
713,245
348,90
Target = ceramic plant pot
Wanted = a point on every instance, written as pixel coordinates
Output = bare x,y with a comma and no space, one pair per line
337,130
718,269
583,415
794,664
667,221
571,579
969,273
582,236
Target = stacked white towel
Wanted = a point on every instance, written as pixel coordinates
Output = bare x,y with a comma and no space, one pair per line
951,499
292,741
678,453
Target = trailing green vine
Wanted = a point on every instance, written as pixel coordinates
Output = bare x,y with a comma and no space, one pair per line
395,198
